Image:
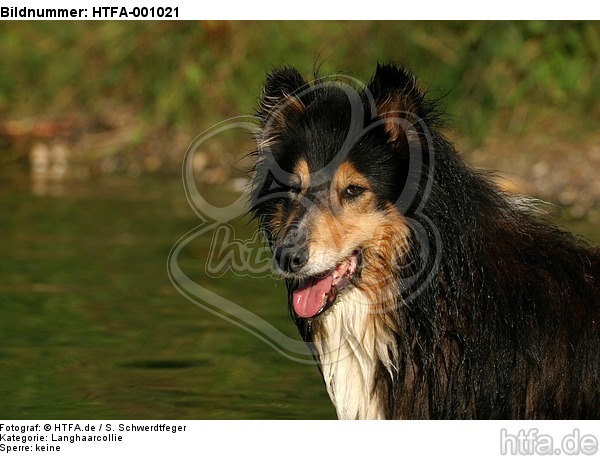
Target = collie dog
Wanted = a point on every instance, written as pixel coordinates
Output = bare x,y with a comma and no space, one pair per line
421,288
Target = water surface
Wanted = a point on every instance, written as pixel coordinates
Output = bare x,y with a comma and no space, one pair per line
92,328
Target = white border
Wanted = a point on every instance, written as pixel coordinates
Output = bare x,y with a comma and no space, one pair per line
319,10
461,438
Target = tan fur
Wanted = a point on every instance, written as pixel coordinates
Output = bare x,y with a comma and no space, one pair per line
358,329
301,177
345,226
397,118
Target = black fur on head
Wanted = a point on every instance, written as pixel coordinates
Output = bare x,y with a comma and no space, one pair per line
378,127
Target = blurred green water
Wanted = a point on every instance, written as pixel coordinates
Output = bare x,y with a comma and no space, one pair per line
91,327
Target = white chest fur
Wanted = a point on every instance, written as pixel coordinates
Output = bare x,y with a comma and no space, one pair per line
351,345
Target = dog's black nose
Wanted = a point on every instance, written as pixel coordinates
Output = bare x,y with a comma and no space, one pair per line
291,258
292,253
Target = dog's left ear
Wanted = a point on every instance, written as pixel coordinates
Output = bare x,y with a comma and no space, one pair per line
280,96
400,103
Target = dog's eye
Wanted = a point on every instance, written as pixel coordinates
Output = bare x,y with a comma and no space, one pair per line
354,190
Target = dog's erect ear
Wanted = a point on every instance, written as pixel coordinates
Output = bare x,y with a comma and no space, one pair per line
279,97
400,103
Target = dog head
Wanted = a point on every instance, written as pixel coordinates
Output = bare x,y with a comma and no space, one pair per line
334,177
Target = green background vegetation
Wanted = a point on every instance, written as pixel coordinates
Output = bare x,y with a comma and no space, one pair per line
182,77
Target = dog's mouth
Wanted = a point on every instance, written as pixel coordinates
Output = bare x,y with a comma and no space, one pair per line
314,294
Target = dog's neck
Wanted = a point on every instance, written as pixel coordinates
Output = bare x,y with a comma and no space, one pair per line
350,347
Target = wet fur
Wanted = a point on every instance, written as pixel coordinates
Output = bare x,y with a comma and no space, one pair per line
504,319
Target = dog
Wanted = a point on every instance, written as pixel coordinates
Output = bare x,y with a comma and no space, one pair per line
421,288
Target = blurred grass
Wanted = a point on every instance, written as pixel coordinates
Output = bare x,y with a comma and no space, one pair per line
175,79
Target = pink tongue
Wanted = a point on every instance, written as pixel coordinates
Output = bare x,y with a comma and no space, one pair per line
308,299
